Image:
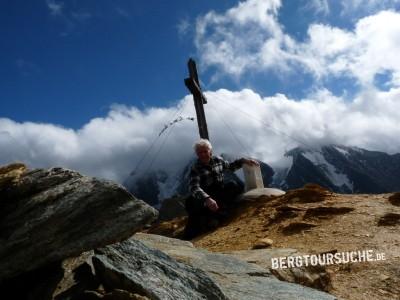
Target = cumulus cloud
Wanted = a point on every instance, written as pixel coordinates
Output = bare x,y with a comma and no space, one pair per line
236,43
111,147
371,48
107,147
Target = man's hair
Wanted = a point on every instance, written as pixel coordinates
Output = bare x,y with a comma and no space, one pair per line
202,143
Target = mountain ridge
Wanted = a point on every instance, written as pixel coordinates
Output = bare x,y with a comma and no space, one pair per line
342,169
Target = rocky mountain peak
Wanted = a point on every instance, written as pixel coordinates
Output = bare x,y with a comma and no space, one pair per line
342,169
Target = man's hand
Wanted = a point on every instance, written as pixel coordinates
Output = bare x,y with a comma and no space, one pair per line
211,204
250,162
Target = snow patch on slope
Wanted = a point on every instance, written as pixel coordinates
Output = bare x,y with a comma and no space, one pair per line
337,178
281,172
341,150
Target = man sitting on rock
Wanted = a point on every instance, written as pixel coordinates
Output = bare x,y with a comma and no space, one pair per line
210,196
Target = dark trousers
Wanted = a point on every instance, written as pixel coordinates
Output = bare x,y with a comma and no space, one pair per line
201,218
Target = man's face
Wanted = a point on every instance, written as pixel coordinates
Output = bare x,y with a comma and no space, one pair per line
204,154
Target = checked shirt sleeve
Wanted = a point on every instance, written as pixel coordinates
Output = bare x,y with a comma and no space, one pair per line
194,186
233,166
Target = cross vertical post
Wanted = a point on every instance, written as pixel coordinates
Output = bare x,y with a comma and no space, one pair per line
192,83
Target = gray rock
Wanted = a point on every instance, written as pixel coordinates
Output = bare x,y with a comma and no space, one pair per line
133,267
123,295
237,278
311,276
49,215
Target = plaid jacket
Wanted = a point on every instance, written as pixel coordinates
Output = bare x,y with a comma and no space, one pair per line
202,177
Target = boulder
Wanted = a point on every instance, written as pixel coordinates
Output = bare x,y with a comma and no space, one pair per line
136,268
237,278
49,215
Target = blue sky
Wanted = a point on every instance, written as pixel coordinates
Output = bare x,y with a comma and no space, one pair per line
90,84
66,62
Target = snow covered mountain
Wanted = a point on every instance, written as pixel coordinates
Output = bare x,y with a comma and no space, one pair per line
154,186
341,169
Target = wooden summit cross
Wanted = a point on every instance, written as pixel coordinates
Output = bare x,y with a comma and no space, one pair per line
192,83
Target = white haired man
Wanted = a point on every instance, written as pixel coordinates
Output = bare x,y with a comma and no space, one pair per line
210,196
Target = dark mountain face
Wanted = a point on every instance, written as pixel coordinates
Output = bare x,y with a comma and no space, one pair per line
304,171
344,169
147,187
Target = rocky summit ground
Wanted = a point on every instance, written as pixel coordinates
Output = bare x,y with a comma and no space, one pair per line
313,221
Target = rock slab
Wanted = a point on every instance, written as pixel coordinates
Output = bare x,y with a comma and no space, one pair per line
49,215
134,267
238,279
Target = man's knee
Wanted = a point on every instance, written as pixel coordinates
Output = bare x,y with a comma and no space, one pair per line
232,190
194,206
235,187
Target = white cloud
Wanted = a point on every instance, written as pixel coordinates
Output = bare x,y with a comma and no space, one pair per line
233,40
111,147
366,6
368,50
56,8
108,147
249,37
319,6
71,19
183,27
